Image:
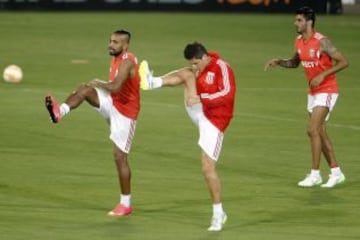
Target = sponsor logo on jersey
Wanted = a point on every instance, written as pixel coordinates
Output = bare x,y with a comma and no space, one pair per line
309,64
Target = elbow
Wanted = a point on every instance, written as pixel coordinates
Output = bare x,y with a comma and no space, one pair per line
295,64
344,64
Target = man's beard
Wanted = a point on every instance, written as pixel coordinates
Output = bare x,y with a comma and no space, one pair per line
114,54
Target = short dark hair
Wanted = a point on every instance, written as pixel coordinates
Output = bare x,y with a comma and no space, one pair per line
123,32
194,50
308,13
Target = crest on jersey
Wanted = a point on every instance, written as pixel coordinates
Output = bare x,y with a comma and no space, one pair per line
312,52
210,78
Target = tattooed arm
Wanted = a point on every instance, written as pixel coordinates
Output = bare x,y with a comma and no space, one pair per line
339,61
287,63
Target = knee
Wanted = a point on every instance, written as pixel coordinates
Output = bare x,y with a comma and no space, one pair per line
205,170
313,131
208,170
83,89
188,74
83,85
120,157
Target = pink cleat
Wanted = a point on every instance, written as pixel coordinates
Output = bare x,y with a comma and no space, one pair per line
53,108
120,210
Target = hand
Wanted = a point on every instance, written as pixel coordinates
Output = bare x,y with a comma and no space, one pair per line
316,81
192,100
272,63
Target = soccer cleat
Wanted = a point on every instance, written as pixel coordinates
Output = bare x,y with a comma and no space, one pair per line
310,181
217,222
145,76
334,180
120,210
53,108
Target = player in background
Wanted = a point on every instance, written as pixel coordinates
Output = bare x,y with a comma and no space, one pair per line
209,92
118,101
320,60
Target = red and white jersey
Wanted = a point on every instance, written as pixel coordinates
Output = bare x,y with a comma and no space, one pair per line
314,62
127,100
216,88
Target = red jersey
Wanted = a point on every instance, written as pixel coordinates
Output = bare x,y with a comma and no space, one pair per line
314,62
216,88
127,100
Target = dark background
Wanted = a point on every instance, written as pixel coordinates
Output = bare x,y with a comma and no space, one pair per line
265,6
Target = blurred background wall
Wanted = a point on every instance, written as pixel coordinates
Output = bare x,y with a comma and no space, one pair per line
263,6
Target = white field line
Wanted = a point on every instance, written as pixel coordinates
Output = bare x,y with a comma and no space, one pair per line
261,116
240,114
274,118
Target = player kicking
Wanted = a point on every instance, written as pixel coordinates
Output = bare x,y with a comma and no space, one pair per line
118,101
209,93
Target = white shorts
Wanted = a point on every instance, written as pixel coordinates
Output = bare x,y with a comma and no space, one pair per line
210,139
195,112
122,128
322,100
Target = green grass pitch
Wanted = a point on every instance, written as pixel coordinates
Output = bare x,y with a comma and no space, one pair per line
58,181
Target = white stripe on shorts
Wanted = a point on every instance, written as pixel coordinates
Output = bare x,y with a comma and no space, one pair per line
210,139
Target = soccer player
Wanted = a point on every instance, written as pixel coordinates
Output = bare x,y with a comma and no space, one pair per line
320,60
209,91
118,101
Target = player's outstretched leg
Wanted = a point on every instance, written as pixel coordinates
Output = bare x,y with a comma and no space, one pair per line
53,108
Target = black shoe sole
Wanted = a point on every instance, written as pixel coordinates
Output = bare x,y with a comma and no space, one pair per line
49,107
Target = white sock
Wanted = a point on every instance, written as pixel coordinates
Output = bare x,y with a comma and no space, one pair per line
218,209
336,171
125,200
64,109
315,173
157,82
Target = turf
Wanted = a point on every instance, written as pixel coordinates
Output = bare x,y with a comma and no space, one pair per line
58,181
